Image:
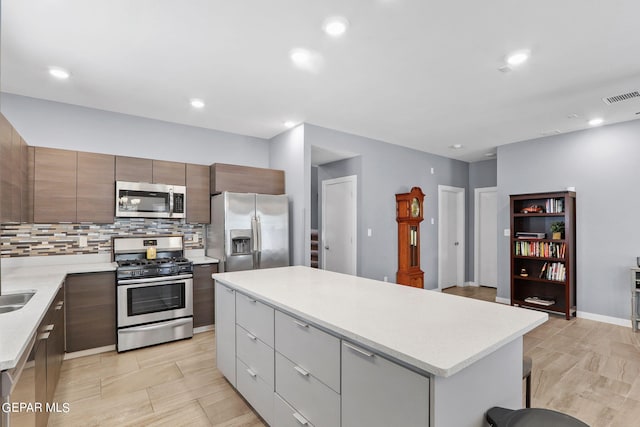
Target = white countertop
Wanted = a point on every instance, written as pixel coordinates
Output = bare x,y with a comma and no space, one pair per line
435,332
17,327
44,275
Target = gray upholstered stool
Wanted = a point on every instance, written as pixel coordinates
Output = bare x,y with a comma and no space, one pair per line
530,417
526,375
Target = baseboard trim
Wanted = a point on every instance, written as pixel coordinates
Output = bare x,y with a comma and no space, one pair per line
503,300
89,352
204,328
604,319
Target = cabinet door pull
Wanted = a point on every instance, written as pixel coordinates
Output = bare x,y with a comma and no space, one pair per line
250,372
358,349
48,328
59,305
228,290
44,336
302,420
301,324
251,336
301,371
251,300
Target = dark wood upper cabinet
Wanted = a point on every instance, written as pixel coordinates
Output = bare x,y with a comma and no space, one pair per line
168,172
6,170
13,174
198,195
54,185
245,179
134,169
96,187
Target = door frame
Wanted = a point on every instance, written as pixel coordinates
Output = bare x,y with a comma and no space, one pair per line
353,180
476,231
460,228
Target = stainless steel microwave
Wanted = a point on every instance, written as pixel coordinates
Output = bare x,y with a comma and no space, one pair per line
145,200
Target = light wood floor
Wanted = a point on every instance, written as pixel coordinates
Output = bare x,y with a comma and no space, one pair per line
587,369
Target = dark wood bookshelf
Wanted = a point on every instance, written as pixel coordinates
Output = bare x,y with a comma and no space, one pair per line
554,206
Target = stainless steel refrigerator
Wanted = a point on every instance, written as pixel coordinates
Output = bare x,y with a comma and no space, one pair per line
249,231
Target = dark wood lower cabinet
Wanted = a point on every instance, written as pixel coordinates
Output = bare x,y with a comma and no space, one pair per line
48,352
90,310
203,294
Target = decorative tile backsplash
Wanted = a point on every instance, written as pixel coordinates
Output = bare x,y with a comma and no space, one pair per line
18,240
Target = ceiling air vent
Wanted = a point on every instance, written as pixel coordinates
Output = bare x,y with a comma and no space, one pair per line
613,99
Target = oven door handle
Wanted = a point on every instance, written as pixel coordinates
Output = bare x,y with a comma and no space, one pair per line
164,325
155,279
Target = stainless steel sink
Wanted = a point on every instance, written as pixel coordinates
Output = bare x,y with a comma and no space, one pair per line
13,302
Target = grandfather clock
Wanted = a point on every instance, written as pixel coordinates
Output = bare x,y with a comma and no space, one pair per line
409,216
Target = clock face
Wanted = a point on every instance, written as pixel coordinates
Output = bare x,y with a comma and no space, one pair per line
415,207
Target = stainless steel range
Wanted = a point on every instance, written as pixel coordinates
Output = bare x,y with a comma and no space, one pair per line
154,291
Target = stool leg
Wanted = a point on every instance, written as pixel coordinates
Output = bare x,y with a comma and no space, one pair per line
528,392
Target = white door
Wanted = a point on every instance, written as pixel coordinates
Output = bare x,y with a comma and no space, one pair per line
486,237
451,219
339,239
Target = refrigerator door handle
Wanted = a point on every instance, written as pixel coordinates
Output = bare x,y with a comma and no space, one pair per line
259,241
254,241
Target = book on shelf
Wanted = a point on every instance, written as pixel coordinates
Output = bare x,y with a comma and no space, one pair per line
540,249
555,271
530,235
540,301
554,206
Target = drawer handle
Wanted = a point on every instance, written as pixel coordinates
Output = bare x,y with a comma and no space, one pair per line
44,336
302,420
59,305
301,324
301,371
48,328
358,349
250,372
228,290
251,300
251,336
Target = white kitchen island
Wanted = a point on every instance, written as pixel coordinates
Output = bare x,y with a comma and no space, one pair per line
309,346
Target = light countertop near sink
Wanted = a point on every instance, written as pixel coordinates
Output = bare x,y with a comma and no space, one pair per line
44,275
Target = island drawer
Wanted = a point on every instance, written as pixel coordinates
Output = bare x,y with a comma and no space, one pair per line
284,415
255,354
255,317
258,393
314,350
316,402
377,392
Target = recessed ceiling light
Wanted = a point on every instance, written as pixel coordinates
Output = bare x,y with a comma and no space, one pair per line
456,146
300,57
596,121
335,26
517,58
59,73
197,103
289,124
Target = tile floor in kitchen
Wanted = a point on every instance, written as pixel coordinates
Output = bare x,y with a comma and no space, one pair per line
588,369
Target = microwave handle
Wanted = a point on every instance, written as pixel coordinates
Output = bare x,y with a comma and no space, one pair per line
170,202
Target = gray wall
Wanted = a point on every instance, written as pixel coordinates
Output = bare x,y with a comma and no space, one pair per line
602,164
341,168
481,174
388,169
289,152
57,125
315,198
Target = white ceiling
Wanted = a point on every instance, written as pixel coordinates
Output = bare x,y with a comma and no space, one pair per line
422,74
